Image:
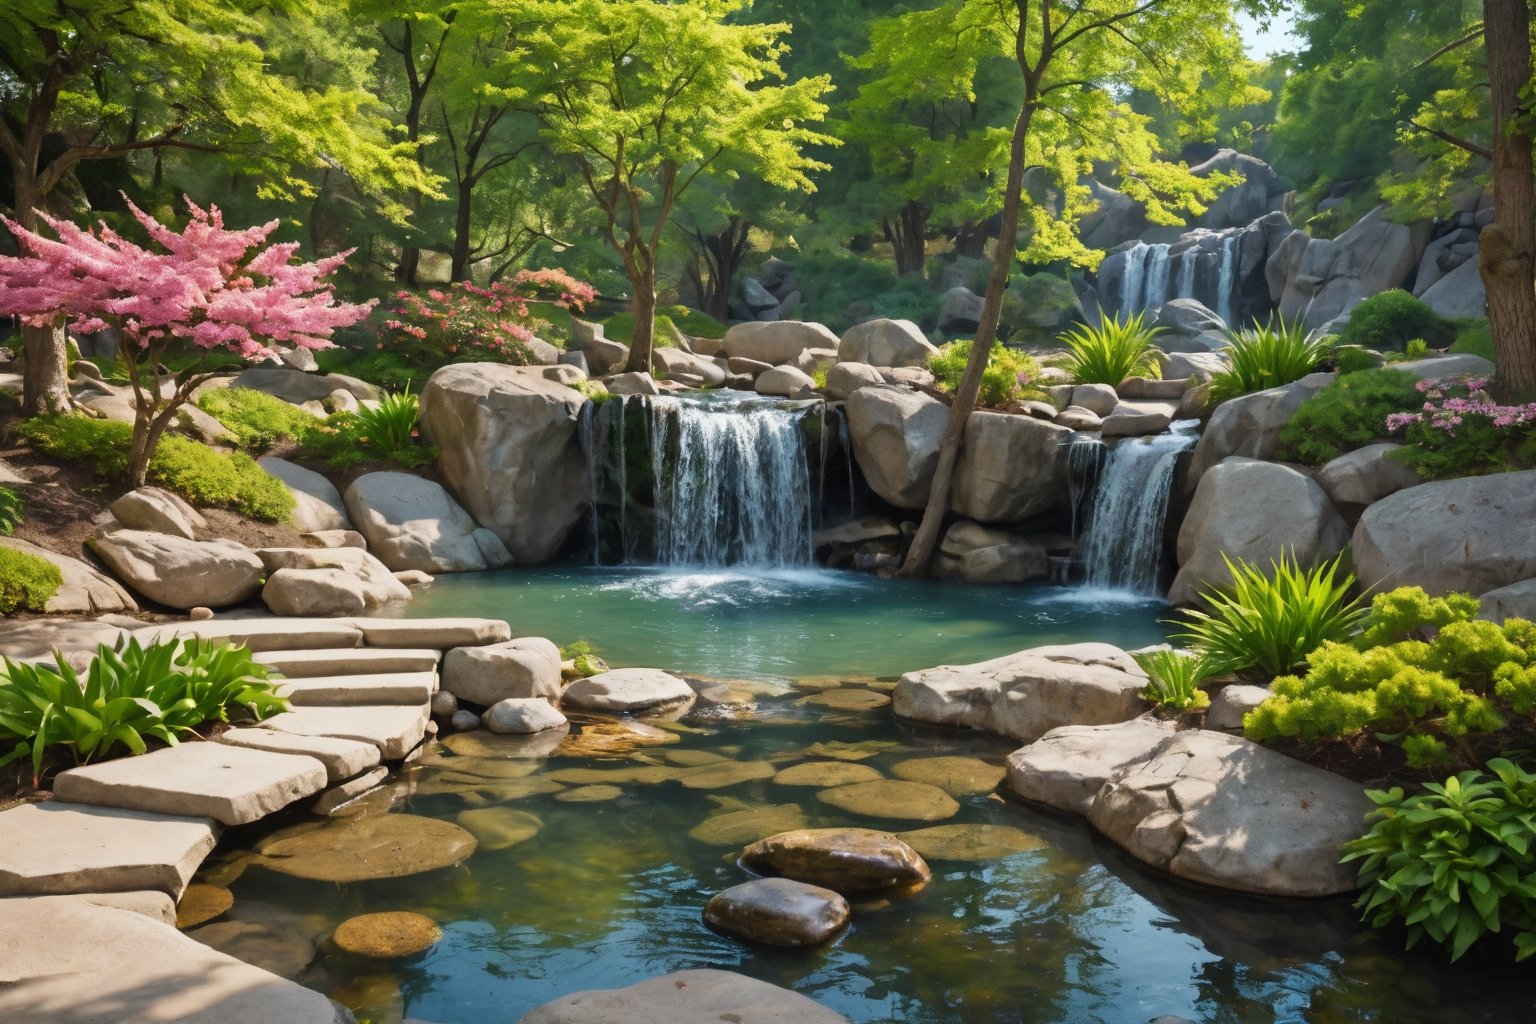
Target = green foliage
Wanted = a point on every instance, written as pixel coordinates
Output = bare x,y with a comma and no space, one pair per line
1474,337
200,474
621,328
694,323
583,657
258,420
387,432
129,694
1174,678
1116,349
1389,320
1349,413
1455,862
13,508
1009,372
1460,429
1264,357
391,425
1424,674
27,581
1271,621
842,289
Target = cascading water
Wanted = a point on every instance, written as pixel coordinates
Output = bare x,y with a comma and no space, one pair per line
1202,270
713,479
1123,547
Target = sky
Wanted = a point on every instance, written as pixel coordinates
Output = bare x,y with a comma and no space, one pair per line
1261,42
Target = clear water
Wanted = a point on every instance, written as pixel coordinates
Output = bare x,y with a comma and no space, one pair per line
608,893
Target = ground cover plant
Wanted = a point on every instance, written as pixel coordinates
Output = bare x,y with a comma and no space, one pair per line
1267,356
1349,413
13,509
1118,348
1462,430
258,420
386,431
27,581
1009,374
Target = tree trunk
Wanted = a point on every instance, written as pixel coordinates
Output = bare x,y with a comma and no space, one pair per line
642,283
459,269
971,240
45,369
923,543
1507,251
907,235
716,259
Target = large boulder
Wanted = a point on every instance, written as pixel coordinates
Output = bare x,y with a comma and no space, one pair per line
1185,319
960,311
527,667
1010,468
1256,511
1449,365
776,343
1065,767
1025,695
673,362
510,451
1459,293
629,691
158,511
317,504
1223,811
1332,276
1475,534
846,378
83,590
410,522
298,387
1516,601
1259,193
1251,425
1357,480
895,435
886,343
784,382
687,997
327,581
181,573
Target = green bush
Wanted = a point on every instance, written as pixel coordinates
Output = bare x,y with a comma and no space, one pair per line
1473,337
1424,674
1350,413
1271,621
1389,320
27,581
257,419
1007,377
13,508
1268,357
129,693
200,474
1174,678
388,370
695,323
1460,429
621,328
345,439
391,425
1116,349
1454,862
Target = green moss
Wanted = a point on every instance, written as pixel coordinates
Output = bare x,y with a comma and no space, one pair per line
1350,413
257,420
621,328
27,581
694,323
1474,337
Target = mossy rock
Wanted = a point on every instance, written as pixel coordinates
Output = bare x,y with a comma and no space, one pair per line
387,936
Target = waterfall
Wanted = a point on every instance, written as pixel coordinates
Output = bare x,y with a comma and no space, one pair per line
1226,302
1203,270
1085,464
1123,547
707,479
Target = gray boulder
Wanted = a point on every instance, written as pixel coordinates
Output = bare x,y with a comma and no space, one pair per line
317,503
410,522
1516,601
886,343
528,667
1332,276
776,343
1356,480
158,511
846,378
895,434
297,387
509,451
1186,318
1066,767
629,691
1459,293
1025,695
521,716
1222,811
674,361
1257,511
784,382
960,311
1231,704
1251,425
1451,365
687,997
1010,467
1475,534
181,573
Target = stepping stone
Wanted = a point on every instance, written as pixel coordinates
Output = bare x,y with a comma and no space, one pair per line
778,912
68,961
342,758
265,633
157,906
394,730
348,791
232,785
349,691
441,634
56,848
299,664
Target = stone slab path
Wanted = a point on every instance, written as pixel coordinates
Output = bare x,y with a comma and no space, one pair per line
305,664
374,688
52,848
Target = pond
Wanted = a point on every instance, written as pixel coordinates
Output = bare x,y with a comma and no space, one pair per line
606,862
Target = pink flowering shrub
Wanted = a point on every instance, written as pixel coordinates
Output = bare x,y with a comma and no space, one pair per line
1462,431
467,323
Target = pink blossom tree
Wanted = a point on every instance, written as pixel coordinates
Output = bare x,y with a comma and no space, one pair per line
217,292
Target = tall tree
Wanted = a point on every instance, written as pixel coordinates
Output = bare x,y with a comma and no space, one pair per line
644,97
1077,59
87,80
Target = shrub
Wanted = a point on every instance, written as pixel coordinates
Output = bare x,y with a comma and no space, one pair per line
391,424
1271,621
467,323
1454,862
1174,678
1008,374
1389,320
13,508
129,693
1474,337
387,432
1265,357
27,581
1116,349
1350,413
195,471
1424,674
1460,430
257,419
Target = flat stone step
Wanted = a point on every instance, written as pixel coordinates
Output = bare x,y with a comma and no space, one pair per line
441,634
353,691
230,784
394,730
362,661
342,758
264,634
69,961
56,848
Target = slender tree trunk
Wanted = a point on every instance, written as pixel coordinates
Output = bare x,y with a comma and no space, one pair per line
907,235
642,282
45,369
459,269
1507,250
971,240
923,543
716,259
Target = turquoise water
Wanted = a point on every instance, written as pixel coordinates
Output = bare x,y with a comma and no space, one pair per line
1057,926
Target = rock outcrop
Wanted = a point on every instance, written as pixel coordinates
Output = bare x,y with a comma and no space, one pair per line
410,522
895,435
1251,425
181,573
886,343
1010,468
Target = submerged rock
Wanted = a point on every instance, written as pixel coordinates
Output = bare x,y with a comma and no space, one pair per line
202,903
970,842
848,860
748,825
957,776
356,849
822,774
686,997
269,945
387,936
778,912
499,828
904,801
